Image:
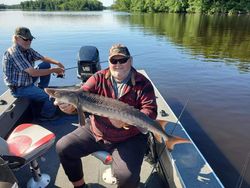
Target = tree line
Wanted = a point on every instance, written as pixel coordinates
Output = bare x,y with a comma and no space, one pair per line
184,6
58,5
3,6
176,6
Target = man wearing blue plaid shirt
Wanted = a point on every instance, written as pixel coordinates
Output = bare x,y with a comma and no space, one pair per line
20,75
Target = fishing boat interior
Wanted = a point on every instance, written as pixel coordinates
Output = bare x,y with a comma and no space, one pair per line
28,157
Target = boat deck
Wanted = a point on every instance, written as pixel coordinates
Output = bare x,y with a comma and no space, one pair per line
93,168
183,167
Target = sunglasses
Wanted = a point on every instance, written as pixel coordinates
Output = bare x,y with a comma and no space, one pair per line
121,61
25,39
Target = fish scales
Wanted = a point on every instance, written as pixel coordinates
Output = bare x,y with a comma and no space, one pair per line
108,107
118,110
114,109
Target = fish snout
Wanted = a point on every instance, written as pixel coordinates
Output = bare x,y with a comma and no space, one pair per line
50,92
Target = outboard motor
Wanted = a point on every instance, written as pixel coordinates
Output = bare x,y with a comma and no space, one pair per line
88,62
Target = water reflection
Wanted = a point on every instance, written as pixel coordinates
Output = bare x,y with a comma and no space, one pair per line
172,49
210,38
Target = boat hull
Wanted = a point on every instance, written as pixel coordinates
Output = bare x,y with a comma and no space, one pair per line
11,112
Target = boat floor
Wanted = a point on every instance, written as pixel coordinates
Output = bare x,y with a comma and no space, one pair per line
93,168
185,166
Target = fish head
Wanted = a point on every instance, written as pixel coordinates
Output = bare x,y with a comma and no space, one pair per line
63,95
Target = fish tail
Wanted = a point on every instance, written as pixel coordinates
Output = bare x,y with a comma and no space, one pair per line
172,141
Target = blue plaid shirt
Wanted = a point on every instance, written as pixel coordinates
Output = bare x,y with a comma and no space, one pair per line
15,61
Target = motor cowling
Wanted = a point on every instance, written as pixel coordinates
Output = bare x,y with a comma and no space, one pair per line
88,62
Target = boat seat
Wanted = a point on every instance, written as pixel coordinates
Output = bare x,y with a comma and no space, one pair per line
103,156
28,142
106,159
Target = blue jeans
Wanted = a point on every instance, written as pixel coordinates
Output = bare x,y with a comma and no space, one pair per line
44,80
37,94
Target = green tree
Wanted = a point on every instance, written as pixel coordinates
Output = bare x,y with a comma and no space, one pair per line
2,6
122,5
53,5
179,6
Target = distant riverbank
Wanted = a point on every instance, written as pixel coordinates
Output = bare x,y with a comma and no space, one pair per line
185,6
54,5
167,6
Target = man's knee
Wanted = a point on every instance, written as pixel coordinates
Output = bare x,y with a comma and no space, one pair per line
44,65
67,149
127,179
61,146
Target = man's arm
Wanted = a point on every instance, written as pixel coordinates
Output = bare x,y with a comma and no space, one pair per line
52,61
148,101
43,72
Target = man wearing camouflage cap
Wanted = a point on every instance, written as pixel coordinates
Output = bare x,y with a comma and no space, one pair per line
125,143
20,75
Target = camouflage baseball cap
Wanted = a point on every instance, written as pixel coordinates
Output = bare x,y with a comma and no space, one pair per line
24,33
119,49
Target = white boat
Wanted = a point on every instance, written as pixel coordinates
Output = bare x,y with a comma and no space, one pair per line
185,166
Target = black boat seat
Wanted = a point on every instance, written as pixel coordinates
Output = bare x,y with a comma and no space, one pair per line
106,158
30,141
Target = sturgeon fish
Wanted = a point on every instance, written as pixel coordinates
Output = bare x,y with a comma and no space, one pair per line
114,109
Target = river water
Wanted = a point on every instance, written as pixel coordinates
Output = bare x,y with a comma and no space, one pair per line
204,60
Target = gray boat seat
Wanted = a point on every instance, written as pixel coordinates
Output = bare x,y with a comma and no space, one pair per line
30,141
107,159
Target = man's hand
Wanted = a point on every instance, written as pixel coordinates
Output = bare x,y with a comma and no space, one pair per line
58,70
119,124
60,65
66,108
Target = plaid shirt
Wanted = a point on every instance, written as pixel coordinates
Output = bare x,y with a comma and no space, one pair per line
138,92
15,61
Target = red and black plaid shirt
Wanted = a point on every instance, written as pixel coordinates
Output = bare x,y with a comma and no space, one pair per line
138,92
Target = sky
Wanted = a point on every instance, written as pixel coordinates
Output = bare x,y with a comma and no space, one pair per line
11,2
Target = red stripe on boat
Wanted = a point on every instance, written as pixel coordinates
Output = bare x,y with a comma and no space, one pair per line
22,127
19,145
42,141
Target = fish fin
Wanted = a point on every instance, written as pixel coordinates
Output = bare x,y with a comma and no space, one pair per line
50,91
126,126
142,130
81,115
158,137
163,123
173,140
